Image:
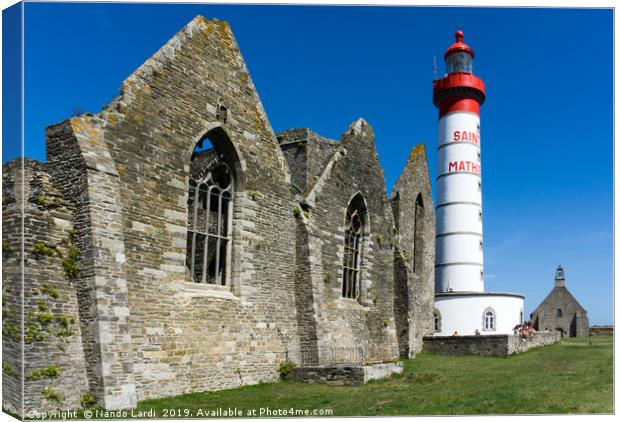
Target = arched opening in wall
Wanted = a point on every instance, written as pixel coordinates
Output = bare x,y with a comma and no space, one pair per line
418,233
558,313
218,140
355,228
212,182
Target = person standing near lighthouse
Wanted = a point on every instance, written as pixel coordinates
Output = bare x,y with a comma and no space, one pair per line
461,303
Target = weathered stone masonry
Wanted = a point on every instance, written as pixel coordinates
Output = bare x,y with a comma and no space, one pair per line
414,254
48,331
561,312
126,321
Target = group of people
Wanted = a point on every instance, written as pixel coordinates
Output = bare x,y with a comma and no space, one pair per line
525,330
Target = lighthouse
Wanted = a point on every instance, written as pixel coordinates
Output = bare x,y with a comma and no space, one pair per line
458,96
461,303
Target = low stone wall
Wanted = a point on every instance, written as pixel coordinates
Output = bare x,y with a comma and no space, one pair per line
607,330
346,375
493,345
331,375
519,345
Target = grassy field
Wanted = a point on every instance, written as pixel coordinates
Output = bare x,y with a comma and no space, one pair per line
573,376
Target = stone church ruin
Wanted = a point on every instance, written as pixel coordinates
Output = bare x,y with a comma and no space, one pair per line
173,243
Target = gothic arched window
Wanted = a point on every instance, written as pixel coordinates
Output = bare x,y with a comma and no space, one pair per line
211,186
558,313
354,226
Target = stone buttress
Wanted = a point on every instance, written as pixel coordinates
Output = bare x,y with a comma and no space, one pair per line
414,254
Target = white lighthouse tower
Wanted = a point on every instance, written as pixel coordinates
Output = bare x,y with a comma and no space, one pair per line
459,187
461,303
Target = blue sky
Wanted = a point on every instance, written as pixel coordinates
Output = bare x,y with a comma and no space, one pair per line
546,127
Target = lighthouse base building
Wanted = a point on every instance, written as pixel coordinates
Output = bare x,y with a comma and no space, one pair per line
466,312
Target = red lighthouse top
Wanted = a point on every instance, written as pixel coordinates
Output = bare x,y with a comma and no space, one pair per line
459,89
459,45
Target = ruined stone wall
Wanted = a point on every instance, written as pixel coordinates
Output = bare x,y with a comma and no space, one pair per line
55,366
598,330
320,152
414,255
331,375
345,322
493,345
80,164
308,285
296,156
307,154
295,149
176,336
574,318
115,203
346,374
12,270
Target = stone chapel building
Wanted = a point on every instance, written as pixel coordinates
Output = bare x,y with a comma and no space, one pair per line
172,243
560,311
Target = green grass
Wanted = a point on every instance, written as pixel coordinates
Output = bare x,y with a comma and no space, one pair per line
573,376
